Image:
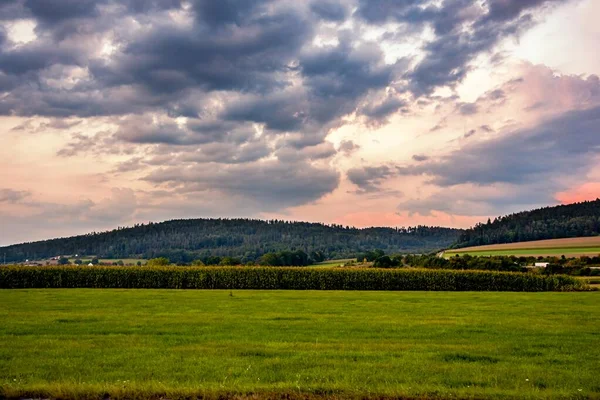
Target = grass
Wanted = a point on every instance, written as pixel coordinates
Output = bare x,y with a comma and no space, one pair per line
593,282
332,263
79,343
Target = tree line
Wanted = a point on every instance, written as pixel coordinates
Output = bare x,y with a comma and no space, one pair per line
573,220
184,241
577,266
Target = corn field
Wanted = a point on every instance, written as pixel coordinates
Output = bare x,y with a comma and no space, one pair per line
293,278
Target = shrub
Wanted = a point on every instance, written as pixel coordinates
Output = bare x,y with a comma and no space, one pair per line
385,262
280,278
229,261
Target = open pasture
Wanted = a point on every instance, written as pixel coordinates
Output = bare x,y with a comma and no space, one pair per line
570,247
332,263
88,343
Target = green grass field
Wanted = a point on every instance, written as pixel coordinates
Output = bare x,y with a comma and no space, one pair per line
332,263
78,343
567,251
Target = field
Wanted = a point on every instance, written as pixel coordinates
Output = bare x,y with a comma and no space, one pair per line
332,263
126,261
571,247
298,344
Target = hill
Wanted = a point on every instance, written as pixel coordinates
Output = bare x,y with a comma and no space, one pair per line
185,240
569,247
565,221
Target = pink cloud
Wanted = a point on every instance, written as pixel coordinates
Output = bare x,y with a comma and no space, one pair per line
587,191
364,219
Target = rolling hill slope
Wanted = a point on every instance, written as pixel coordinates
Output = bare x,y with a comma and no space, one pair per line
565,221
185,240
570,247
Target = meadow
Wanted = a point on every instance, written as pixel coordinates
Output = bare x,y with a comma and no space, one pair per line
570,247
90,343
332,263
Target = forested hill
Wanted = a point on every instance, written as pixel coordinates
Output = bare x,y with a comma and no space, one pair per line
573,220
185,240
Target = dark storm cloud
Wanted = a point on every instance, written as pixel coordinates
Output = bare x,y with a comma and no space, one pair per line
502,10
368,179
34,57
258,87
337,77
225,12
145,6
55,11
380,111
449,54
567,143
330,10
250,57
228,153
408,11
245,46
282,111
345,71
274,185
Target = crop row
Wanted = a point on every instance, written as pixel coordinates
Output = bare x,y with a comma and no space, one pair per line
279,278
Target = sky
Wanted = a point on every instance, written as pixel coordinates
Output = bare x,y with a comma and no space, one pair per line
353,112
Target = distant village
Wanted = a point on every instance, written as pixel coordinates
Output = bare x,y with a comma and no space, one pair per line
79,260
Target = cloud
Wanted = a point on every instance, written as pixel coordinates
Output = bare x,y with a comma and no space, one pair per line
240,99
368,179
348,147
420,157
467,108
477,200
329,10
379,111
268,185
251,55
534,163
37,220
13,196
463,30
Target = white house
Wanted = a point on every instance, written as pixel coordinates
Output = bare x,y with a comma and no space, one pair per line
541,264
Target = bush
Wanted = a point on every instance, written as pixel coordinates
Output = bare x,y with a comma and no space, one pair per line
229,261
280,278
386,262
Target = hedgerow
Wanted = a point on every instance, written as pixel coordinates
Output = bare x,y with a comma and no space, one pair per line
12,277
